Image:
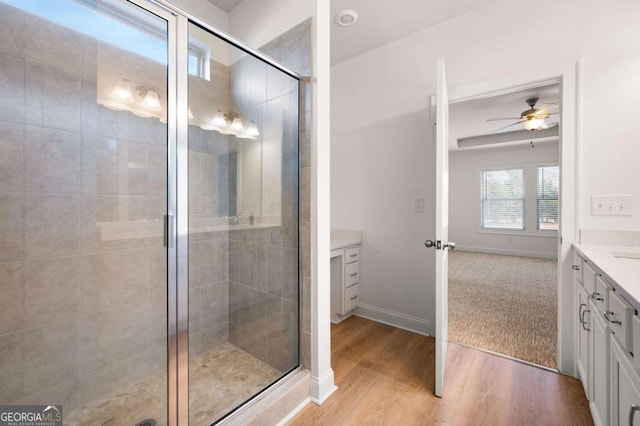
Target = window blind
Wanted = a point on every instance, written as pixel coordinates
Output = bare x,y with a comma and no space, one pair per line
502,199
547,198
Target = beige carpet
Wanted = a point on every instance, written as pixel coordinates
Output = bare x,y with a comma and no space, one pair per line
504,304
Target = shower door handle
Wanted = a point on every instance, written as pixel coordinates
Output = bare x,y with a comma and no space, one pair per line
168,230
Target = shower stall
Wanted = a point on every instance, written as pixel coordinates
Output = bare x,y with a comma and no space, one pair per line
149,214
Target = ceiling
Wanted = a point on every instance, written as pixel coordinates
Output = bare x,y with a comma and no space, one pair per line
468,119
382,21
226,5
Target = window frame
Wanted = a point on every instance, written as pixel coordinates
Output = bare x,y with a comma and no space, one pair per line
547,231
490,229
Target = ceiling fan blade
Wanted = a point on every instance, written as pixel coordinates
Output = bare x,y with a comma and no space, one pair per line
506,127
503,118
544,106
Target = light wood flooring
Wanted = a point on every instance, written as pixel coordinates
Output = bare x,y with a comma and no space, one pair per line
386,377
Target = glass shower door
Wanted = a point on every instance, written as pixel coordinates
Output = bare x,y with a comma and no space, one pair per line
83,194
243,226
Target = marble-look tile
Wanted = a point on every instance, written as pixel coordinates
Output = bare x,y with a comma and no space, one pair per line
51,160
305,140
305,242
213,304
97,211
12,224
112,279
52,225
12,25
157,272
50,354
65,393
142,373
53,96
290,171
11,297
293,48
136,169
158,315
279,83
195,264
52,43
245,262
214,336
51,290
11,370
306,350
11,155
12,87
99,164
214,258
109,336
195,182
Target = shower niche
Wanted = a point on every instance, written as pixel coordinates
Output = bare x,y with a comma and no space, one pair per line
149,214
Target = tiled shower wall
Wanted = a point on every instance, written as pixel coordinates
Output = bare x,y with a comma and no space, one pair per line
293,50
82,311
208,199
263,265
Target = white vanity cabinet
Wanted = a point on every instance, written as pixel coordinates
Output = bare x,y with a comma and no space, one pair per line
606,346
625,388
345,282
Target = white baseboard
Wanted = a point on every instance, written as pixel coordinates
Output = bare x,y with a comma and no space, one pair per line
395,319
523,253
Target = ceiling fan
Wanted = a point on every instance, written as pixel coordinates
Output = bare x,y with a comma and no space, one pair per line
531,119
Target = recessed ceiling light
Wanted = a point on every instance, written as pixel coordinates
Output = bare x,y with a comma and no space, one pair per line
346,17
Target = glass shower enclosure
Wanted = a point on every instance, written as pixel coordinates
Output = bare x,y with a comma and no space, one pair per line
149,229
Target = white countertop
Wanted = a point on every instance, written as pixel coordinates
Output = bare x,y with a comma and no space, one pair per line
341,238
622,271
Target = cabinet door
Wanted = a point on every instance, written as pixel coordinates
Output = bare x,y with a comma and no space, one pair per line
625,388
599,368
583,335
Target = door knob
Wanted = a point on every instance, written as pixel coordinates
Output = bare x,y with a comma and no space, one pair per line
450,245
429,243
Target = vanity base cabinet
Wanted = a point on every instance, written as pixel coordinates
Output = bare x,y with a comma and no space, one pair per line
625,388
345,282
583,334
599,368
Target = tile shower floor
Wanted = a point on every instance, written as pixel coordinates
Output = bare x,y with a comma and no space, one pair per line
219,380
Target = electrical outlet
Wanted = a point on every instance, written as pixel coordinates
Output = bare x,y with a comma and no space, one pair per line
611,205
418,205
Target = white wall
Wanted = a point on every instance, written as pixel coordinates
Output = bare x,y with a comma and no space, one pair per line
391,85
256,22
206,11
464,200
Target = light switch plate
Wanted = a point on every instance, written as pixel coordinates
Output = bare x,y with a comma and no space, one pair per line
611,205
418,205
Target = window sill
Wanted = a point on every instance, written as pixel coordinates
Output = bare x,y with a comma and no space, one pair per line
543,234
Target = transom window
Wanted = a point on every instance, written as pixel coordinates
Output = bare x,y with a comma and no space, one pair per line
502,199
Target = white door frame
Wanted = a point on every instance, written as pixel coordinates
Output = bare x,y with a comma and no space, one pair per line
568,75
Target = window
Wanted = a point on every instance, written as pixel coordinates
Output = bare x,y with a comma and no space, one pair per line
198,60
502,199
548,184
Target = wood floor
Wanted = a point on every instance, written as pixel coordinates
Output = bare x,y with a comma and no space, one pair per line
386,377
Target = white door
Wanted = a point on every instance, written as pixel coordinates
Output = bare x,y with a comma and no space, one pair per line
441,243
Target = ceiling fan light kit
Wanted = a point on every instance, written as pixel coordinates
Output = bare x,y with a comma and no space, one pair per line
532,119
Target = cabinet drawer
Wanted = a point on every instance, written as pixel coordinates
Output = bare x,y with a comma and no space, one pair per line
635,341
601,295
351,296
578,267
589,277
351,274
352,254
619,318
